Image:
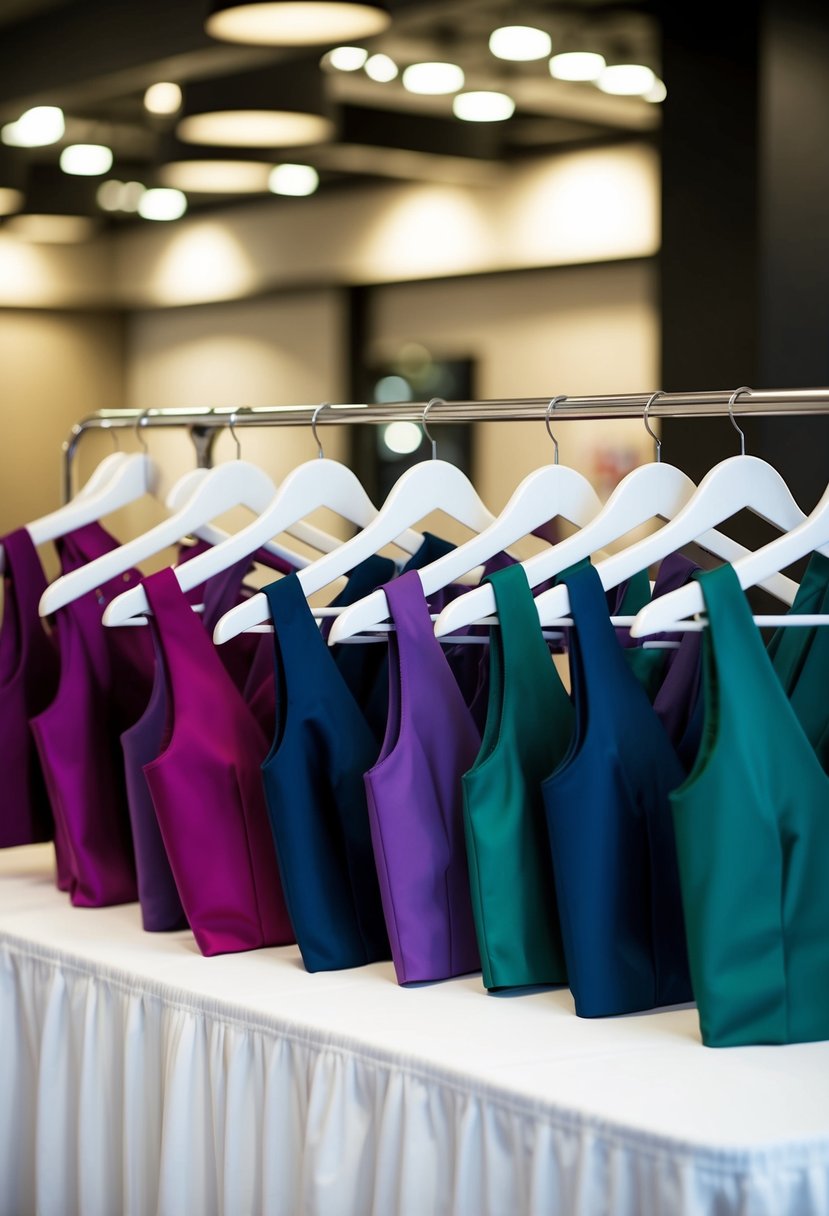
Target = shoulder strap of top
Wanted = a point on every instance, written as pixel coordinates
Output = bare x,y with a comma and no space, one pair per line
519,657
296,633
421,659
739,671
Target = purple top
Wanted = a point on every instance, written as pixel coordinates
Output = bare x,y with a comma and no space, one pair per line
28,679
415,800
105,679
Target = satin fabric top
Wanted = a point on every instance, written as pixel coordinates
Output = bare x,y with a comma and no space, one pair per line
161,908
610,829
415,800
801,658
313,779
207,791
104,684
528,728
752,834
28,678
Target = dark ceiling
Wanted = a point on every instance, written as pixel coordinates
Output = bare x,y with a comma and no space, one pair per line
95,58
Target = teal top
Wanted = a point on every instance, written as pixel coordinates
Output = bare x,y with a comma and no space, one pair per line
752,834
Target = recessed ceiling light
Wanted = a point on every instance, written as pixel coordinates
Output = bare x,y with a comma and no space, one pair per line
483,106
433,79
163,98
295,22
297,181
11,200
254,128
346,58
162,204
577,65
36,128
520,43
216,176
86,160
657,92
626,80
50,229
381,68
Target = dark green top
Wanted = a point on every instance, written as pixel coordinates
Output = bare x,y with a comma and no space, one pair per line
752,834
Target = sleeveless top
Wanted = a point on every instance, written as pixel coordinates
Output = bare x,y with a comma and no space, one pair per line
105,680
415,800
316,798
207,790
610,828
752,834
528,727
801,658
28,679
161,908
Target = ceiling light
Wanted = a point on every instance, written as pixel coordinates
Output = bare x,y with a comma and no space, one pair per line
346,58
50,229
279,106
295,180
113,195
520,43
162,204
216,176
626,79
483,106
381,68
657,92
163,98
11,200
37,128
86,160
433,79
295,22
577,65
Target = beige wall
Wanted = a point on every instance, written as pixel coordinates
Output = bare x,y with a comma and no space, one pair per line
54,368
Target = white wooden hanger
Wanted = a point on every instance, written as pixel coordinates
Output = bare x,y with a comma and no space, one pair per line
654,490
430,485
808,537
737,483
547,493
317,483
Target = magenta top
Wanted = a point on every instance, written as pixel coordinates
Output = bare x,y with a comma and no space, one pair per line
28,679
206,787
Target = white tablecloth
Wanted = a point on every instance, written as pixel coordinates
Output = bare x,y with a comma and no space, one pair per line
138,1077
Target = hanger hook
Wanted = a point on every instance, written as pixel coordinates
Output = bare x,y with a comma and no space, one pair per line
554,402
139,422
317,440
113,434
428,406
653,397
734,397
231,426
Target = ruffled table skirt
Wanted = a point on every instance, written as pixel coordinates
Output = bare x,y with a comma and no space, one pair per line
137,1077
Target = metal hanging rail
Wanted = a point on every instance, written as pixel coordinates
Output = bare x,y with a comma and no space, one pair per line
205,423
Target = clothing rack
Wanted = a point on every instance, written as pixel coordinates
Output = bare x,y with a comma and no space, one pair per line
205,423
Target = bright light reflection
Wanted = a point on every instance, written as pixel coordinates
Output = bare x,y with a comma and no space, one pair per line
483,106
296,22
162,203
657,93
520,43
577,65
381,68
36,128
392,388
254,128
626,80
433,79
86,160
347,58
163,98
202,262
297,181
402,437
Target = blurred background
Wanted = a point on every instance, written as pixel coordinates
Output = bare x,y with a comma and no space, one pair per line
277,202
